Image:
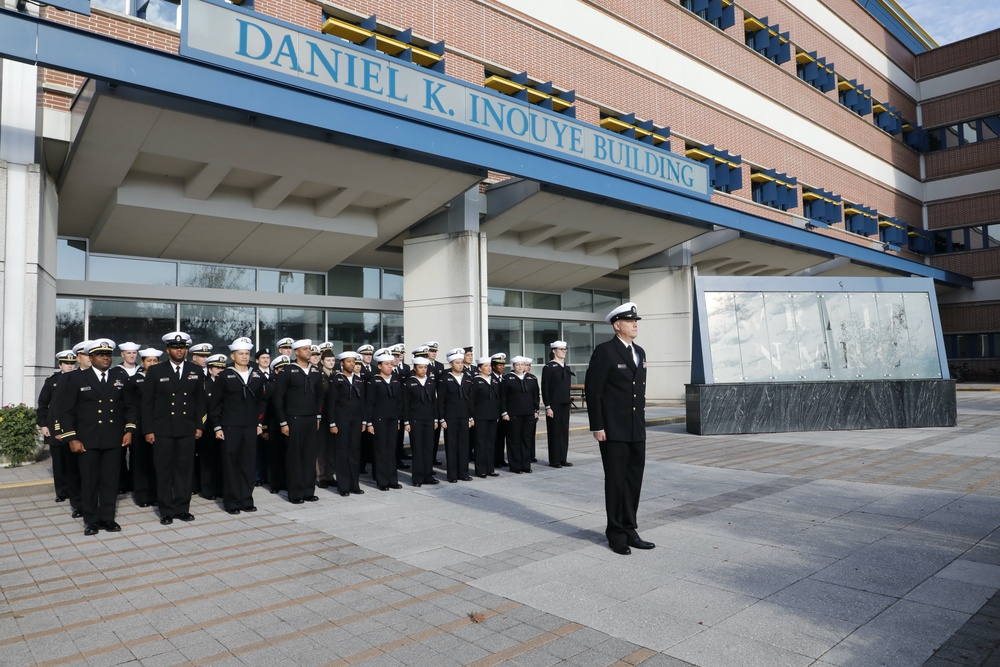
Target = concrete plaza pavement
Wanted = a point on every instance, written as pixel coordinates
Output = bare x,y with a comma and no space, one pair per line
835,548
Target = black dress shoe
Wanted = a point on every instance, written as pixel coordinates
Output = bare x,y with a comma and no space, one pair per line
396,486
186,516
345,493
465,479
358,492
528,470
91,529
481,476
322,484
258,483
494,474
312,499
503,464
145,505
555,465
252,508
432,480
436,462
60,499
233,512
383,488
402,466
166,520
567,464
517,472
407,457
77,514
534,460
639,543
297,502
417,484
273,490
112,527
453,481
621,549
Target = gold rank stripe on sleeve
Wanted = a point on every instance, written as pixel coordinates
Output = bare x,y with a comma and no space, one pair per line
65,436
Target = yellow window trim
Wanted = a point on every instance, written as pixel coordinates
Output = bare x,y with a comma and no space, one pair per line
500,84
385,44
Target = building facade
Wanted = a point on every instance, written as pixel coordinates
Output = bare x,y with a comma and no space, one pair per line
160,172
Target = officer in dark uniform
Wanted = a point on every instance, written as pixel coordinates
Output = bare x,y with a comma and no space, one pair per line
435,370
263,358
298,406
519,395
486,412
556,381
616,403
275,438
236,408
383,409
498,363
345,407
420,416
143,468
96,419
366,371
401,370
326,451
129,354
456,413
173,416
209,450
65,477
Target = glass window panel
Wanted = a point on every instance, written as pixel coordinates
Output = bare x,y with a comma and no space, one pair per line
542,301
392,285
315,283
723,337
288,282
357,281
839,339
605,302
969,134
160,12
993,236
392,329
751,323
69,323
134,271
990,127
864,332
349,330
974,237
579,346
963,346
578,299
278,323
950,136
810,328
217,276
923,353
893,344
538,335
142,322
218,324
503,297
117,6
504,336
782,346
71,261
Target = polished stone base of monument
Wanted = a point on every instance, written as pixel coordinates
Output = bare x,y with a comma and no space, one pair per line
773,407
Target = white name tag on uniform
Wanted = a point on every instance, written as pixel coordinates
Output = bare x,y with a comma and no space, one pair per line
623,366
85,388
165,379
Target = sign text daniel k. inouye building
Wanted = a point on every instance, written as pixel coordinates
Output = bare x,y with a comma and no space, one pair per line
230,36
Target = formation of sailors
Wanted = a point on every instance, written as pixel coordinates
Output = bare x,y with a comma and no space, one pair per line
221,425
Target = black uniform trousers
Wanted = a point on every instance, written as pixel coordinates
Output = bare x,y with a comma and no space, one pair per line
239,460
624,463
347,445
125,471
210,454
500,444
384,446
437,442
300,456
143,471
276,461
174,459
486,435
557,432
422,448
99,471
65,472
326,458
260,471
367,452
456,449
519,433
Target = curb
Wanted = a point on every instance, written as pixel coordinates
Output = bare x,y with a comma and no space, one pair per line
659,421
21,489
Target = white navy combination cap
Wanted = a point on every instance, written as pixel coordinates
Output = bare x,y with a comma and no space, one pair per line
379,358
382,351
314,349
241,343
499,358
626,311
432,345
421,351
285,342
484,360
176,339
202,349
279,361
398,348
557,344
303,342
150,352
129,347
421,361
325,345
81,347
101,345
348,355
366,349
217,360
69,356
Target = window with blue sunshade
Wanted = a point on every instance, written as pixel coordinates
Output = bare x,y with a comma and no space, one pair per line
720,13
767,40
774,189
860,219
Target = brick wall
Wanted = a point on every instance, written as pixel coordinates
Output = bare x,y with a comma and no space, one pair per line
975,264
963,211
970,317
973,103
967,159
959,55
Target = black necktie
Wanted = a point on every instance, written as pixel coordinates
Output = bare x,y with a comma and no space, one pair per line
179,368
103,379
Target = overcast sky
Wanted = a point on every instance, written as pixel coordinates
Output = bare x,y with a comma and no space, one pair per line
951,20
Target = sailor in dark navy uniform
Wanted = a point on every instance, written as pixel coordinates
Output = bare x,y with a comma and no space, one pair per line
383,409
141,454
275,438
456,412
616,403
326,451
401,370
519,395
486,412
174,412
96,418
420,416
285,348
263,358
209,459
436,371
498,363
345,408
556,381
67,483
298,404
236,409
366,370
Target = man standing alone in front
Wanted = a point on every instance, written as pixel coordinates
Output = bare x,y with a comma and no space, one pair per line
616,400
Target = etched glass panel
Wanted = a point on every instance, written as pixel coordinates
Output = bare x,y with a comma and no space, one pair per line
923,353
751,322
723,336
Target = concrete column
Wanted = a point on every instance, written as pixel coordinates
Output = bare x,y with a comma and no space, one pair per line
444,290
665,298
28,222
